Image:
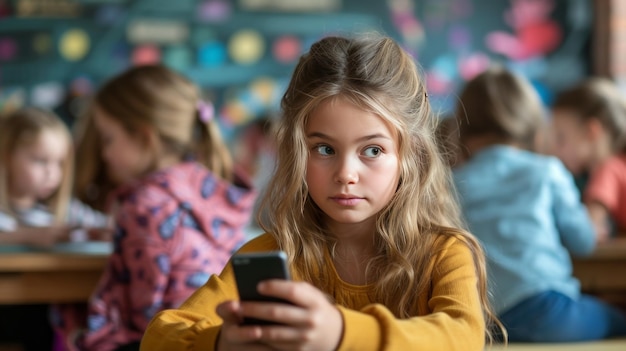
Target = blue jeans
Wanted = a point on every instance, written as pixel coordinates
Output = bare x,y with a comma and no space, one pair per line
555,317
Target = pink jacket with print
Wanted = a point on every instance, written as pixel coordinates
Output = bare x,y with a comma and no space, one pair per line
174,229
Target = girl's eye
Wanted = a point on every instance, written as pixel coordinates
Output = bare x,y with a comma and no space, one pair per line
324,150
373,151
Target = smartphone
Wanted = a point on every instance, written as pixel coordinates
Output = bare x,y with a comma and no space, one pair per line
252,268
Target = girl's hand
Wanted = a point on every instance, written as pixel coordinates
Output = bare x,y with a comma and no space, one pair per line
100,234
233,336
311,323
44,237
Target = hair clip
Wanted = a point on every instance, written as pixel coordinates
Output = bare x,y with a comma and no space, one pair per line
206,111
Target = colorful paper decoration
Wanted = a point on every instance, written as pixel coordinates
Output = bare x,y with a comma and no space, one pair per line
47,95
259,97
214,11
287,49
8,49
212,54
156,31
74,44
246,47
146,54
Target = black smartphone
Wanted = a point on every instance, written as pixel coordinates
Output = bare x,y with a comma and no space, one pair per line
252,268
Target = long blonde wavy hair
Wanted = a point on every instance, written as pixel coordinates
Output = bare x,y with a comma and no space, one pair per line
377,75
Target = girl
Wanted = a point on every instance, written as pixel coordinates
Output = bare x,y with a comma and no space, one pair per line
181,209
589,121
526,211
36,209
361,204
36,155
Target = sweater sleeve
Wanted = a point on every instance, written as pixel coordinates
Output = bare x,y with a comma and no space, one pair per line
571,217
196,325
455,320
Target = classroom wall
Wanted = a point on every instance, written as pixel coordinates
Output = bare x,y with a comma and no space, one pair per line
242,52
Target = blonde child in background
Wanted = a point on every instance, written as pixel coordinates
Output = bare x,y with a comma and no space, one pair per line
181,209
362,205
526,211
36,206
589,124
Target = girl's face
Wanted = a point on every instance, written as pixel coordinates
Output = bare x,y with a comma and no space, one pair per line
36,169
353,165
126,157
572,141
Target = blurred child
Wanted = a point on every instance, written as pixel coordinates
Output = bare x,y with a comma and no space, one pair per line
36,209
526,211
360,201
589,122
255,152
181,208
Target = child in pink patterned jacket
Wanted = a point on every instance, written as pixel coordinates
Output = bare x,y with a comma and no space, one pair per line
180,212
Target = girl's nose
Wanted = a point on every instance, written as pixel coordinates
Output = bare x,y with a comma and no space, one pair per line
347,172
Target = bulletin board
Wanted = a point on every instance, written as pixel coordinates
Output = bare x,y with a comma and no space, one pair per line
242,52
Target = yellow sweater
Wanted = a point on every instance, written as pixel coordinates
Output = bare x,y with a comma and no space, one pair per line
448,318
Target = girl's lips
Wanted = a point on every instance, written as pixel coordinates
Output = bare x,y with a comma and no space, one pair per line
347,201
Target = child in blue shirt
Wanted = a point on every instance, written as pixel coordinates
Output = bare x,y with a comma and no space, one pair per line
526,211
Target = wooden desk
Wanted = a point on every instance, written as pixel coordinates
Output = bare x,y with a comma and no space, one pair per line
604,273
44,277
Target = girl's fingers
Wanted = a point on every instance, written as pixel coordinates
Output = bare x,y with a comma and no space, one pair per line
279,313
230,312
279,335
298,293
236,338
233,336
